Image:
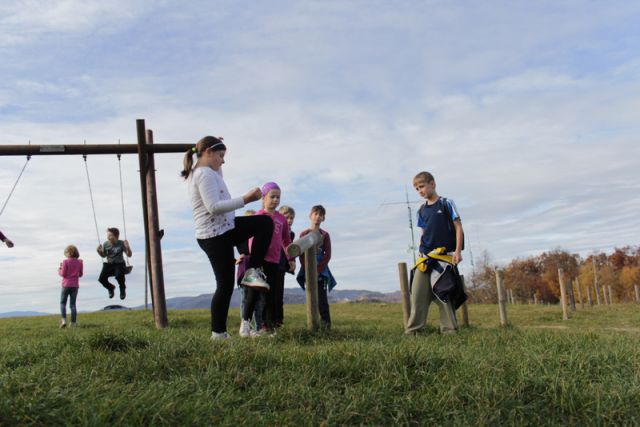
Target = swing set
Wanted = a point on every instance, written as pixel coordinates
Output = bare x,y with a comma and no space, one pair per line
145,150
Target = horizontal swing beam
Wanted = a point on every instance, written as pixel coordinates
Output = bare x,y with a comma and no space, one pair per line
33,150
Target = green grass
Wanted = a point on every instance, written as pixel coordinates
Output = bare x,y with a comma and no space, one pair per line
116,368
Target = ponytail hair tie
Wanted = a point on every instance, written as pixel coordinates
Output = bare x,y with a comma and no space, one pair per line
194,149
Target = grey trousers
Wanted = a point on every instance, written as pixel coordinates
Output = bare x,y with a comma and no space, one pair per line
421,298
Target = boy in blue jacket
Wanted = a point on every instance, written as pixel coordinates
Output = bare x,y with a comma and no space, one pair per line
441,228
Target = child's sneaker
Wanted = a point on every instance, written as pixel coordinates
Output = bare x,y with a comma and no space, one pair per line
63,323
255,278
123,293
111,289
215,336
245,329
74,325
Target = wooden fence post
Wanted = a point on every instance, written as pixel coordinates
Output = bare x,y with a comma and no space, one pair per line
535,299
404,291
465,309
563,295
577,283
571,295
308,245
636,288
501,297
596,288
610,289
587,289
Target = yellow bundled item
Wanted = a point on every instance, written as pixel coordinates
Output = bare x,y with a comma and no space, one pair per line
421,264
437,253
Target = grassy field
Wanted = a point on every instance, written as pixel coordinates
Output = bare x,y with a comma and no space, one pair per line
116,368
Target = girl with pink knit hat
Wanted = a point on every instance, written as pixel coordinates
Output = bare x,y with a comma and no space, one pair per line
280,239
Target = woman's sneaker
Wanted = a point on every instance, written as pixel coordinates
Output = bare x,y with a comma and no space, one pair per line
215,336
63,323
255,278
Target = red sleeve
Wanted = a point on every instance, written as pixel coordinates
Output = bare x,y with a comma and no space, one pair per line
327,253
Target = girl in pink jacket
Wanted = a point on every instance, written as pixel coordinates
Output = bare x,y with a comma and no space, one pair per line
71,270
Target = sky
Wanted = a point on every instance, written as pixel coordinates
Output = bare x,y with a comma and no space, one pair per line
527,114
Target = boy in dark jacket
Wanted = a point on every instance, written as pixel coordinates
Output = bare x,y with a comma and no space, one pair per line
441,228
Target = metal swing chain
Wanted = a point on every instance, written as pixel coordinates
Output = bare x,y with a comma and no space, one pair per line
15,184
93,207
124,222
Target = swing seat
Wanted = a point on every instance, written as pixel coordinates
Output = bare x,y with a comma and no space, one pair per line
127,270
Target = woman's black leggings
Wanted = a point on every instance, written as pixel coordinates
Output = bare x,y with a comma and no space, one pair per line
219,250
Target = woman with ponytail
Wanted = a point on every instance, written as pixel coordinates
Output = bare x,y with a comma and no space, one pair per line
218,230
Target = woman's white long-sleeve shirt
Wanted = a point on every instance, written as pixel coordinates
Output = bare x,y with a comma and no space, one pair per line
213,207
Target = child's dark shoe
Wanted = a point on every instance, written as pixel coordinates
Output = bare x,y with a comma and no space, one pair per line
111,289
123,293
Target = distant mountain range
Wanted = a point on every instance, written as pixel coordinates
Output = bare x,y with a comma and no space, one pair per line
291,296
23,314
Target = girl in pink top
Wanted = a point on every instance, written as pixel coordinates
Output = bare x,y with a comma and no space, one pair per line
71,270
280,239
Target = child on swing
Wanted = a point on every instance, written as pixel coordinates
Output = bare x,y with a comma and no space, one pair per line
114,264
5,240
71,270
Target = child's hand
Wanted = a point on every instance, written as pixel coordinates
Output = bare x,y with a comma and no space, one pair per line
240,259
9,243
457,257
292,266
252,195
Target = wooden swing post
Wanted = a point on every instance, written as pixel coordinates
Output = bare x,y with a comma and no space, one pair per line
152,233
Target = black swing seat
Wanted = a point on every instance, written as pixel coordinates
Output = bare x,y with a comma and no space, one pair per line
127,270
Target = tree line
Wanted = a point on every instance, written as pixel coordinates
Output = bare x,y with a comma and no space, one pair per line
535,278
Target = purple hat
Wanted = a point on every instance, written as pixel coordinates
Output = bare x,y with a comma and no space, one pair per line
268,187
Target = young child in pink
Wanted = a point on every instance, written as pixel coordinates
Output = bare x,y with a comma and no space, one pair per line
280,239
71,270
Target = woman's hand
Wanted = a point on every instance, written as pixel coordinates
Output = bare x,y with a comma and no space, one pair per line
252,195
